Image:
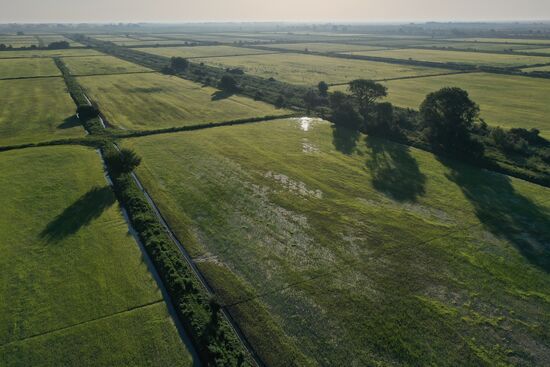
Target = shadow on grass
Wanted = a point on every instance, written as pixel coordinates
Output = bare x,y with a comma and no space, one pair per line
394,171
221,94
504,212
69,123
88,207
344,139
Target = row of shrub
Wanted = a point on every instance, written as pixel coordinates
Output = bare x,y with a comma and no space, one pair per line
200,314
87,114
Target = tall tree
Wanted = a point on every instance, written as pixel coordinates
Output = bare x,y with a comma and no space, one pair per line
366,93
449,115
323,89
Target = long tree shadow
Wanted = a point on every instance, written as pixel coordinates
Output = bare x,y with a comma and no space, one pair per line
506,213
88,207
394,171
69,122
344,139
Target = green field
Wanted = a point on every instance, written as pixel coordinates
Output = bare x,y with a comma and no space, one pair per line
75,290
361,252
459,57
152,101
480,46
538,50
200,51
541,68
18,41
47,53
310,69
17,68
100,65
321,47
111,37
35,110
510,101
47,39
134,42
505,40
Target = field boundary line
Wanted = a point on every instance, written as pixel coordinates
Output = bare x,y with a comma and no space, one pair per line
130,309
31,77
121,73
170,130
415,77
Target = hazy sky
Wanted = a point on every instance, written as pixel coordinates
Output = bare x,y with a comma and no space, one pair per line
289,10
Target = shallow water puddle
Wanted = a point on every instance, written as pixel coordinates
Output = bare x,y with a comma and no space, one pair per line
307,122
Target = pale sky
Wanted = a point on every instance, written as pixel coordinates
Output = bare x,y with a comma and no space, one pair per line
280,10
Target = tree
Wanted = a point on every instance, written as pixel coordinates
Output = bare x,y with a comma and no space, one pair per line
343,111
280,102
228,84
86,112
449,115
59,45
323,89
311,99
366,93
179,64
122,162
383,121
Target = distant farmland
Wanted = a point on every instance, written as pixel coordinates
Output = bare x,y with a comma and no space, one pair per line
310,70
471,58
25,68
166,102
100,65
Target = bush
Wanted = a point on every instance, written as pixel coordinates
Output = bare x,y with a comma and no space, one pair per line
179,64
228,83
87,112
59,45
122,162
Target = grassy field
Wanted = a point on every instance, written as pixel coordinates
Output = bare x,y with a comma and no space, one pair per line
310,69
152,101
111,37
355,251
18,41
100,65
201,51
511,101
470,58
505,40
321,47
35,110
538,50
17,68
47,39
479,46
48,53
541,68
75,290
134,42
